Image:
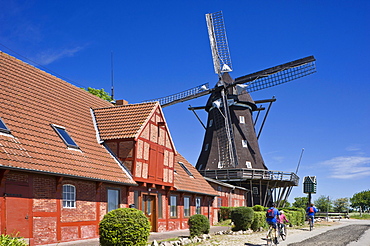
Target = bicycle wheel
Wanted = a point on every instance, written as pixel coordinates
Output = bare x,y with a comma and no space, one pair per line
311,223
282,232
270,237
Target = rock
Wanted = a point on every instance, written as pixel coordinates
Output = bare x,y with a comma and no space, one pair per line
155,243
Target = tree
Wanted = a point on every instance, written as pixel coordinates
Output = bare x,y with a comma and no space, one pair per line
341,205
300,202
99,93
361,200
323,204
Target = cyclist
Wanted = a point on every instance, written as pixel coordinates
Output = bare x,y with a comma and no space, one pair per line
280,220
271,218
311,211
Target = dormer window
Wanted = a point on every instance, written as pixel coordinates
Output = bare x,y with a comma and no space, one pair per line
63,134
3,127
185,169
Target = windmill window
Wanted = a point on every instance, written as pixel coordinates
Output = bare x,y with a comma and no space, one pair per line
185,169
241,119
245,143
210,123
248,164
63,134
206,147
3,127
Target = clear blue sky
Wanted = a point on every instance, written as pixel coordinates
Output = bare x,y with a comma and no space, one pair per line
162,47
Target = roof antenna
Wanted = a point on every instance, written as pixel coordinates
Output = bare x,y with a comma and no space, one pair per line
112,87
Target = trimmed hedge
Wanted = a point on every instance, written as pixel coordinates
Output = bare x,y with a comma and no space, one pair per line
198,225
259,221
225,213
124,227
242,218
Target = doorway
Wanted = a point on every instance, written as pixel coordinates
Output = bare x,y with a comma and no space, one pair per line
150,210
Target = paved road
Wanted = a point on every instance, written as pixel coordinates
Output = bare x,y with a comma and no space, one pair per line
348,232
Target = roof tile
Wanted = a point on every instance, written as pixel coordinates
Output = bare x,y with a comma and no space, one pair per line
31,100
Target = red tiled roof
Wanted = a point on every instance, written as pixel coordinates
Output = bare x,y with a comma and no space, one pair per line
123,121
195,183
31,100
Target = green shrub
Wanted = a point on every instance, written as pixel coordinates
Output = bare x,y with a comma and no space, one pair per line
296,216
12,241
242,218
259,220
123,227
198,225
258,208
225,213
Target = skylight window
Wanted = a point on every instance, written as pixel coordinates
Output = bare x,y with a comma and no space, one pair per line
185,169
3,127
63,134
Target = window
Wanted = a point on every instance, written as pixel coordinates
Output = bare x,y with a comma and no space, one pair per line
255,190
3,127
206,147
136,199
219,202
186,206
173,206
245,143
198,205
63,134
248,164
113,199
241,119
185,169
160,207
69,196
210,123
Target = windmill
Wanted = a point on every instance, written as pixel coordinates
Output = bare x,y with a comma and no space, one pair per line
230,150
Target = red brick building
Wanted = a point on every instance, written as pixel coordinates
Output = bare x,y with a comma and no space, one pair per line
67,158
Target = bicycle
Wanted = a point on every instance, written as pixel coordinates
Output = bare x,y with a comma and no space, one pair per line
282,231
271,239
310,222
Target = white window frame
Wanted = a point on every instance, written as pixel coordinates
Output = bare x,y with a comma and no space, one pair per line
241,119
173,206
198,205
186,206
245,143
112,199
69,196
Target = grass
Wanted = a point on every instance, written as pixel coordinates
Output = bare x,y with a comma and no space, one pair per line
357,216
224,223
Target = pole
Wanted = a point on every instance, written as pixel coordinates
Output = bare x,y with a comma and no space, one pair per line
299,162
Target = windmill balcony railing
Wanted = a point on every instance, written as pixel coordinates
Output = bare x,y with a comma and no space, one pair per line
251,174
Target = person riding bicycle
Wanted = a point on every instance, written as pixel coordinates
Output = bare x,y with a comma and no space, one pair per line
281,219
311,211
271,217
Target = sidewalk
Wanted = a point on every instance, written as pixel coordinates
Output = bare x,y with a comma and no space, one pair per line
159,236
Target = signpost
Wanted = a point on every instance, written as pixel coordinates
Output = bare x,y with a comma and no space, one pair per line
309,186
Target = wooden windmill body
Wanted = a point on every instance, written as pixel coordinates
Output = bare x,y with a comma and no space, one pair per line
230,150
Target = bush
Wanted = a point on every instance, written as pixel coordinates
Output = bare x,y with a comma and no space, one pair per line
124,226
258,208
296,216
242,218
198,225
259,220
225,213
13,241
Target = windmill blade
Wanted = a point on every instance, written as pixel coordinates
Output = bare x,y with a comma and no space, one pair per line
218,41
183,96
278,75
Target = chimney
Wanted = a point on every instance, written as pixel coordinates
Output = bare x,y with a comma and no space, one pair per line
121,102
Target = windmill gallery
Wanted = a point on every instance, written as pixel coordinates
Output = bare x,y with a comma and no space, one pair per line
65,163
